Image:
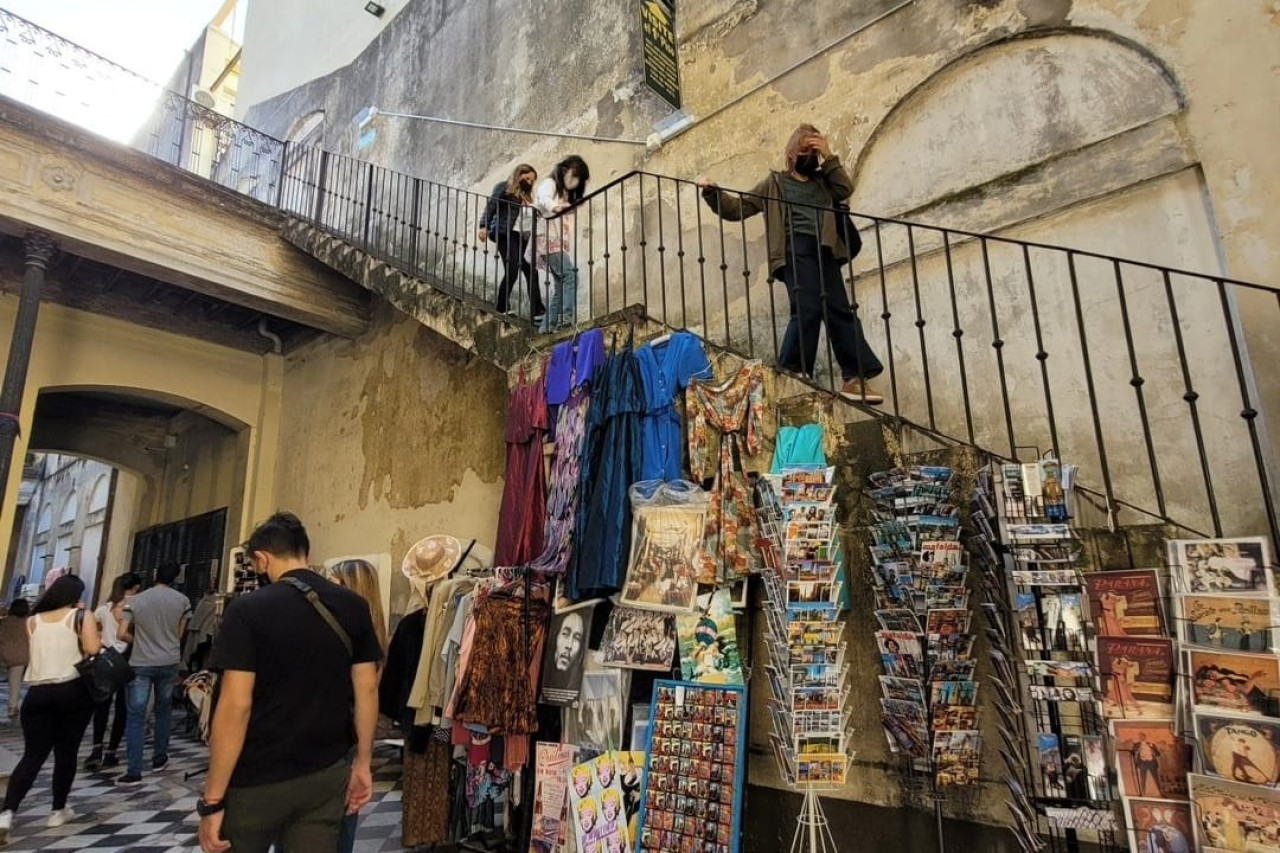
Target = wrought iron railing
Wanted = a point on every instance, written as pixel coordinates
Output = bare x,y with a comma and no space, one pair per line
1138,372
45,71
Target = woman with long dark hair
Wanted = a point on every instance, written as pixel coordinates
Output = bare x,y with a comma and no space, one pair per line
807,249
57,707
502,222
109,614
556,198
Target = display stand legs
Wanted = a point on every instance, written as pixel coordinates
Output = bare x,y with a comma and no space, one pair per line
813,833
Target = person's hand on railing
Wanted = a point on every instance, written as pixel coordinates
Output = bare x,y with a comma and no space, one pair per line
702,182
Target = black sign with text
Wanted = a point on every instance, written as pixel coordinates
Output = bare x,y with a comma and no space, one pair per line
661,67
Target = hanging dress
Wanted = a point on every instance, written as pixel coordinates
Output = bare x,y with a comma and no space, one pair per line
522,517
665,369
725,421
610,464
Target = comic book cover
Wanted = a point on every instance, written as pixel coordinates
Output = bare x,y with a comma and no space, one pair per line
1230,566
1233,682
1151,759
1234,816
955,757
1240,750
1157,825
1126,603
1227,623
1136,675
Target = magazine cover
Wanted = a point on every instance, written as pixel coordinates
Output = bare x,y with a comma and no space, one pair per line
1233,566
1151,759
663,569
596,805
1229,623
1233,682
955,757
709,641
1161,826
1240,750
639,639
1126,604
1051,765
1234,816
1137,677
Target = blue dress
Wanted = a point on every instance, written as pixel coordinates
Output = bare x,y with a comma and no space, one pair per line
666,369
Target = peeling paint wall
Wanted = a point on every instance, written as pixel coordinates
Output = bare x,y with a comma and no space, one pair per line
389,438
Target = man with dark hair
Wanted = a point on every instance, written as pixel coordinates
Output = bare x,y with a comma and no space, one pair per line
154,621
299,688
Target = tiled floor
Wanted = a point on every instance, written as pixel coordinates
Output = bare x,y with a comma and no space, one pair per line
160,816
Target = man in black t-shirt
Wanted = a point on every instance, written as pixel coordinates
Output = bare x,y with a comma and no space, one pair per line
296,693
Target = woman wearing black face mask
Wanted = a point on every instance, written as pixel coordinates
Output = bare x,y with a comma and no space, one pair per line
807,250
503,220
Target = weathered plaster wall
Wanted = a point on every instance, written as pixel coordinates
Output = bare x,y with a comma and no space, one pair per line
389,438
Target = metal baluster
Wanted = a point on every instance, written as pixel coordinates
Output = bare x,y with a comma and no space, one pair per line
702,268
1093,396
608,279
1041,355
1137,382
724,282
684,308
591,253
958,334
644,254
453,253
921,322
662,252
368,209
746,289
622,227
415,227
773,303
997,343
1247,411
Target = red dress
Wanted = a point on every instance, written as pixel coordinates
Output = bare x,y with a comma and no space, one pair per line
523,517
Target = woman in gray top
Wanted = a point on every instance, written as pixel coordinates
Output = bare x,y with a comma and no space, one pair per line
807,249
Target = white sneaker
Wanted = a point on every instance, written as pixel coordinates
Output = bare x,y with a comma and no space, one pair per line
6,824
61,817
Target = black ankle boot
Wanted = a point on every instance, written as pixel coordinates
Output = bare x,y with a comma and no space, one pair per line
94,761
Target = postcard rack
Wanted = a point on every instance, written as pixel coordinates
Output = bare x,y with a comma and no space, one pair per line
1055,742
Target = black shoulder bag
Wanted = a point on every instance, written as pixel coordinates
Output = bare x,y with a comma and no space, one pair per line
325,613
104,673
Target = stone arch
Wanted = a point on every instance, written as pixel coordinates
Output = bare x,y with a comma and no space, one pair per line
1059,91
100,494
307,129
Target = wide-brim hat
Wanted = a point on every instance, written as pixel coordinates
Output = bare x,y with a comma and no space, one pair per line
432,558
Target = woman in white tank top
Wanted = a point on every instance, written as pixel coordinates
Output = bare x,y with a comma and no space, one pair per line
57,708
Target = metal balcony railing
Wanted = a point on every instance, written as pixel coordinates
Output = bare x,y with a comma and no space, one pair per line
1138,373
45,71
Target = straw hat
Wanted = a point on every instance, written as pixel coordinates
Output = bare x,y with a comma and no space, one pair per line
431,559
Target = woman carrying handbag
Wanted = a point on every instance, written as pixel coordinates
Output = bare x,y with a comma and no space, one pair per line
57,707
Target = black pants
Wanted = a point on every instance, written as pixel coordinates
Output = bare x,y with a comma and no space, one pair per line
54,717
299,816
815,287
511,248
100,715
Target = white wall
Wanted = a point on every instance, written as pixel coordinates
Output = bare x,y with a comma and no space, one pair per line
289,42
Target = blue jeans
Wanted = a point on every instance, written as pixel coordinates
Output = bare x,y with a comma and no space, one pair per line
563,307
137,693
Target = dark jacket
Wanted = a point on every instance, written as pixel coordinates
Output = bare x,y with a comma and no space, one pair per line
766,197
502,213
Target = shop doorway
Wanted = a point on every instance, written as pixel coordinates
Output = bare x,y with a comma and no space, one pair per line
195,543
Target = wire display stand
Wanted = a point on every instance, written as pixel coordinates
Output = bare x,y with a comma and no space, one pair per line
813,833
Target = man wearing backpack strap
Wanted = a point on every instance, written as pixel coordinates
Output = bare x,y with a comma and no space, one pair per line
298,689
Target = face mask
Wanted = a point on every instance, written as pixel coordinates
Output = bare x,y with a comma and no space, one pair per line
571,182
526,185
807,164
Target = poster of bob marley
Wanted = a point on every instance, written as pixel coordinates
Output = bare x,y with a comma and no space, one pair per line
669,520
596,808
709,641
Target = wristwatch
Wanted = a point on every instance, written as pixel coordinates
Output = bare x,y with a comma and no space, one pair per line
207,809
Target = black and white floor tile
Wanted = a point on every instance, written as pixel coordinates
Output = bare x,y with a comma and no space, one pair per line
160,816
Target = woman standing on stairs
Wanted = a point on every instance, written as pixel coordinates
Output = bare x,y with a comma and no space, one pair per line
558,236
807,250
57,707
501,222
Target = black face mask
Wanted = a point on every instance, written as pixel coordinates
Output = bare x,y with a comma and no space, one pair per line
807,164
526,185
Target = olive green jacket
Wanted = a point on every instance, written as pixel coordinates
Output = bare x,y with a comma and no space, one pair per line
766,197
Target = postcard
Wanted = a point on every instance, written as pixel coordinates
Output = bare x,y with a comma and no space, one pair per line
1234,566
955,718
949,621
1240,750
1095,762
1234,816
1229,623
898,620
956,670
1059,668
950,647
905,728
1041,693
1157,825
1028,614
1136,677
953,693
1152,760
812,595
1051,765
708,640
1075,775
639,639
943,552
899,642
1233,682
908,689
900,666
1126,603
1069,629
1046,577
955,757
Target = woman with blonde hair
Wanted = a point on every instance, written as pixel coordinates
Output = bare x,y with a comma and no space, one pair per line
361,577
